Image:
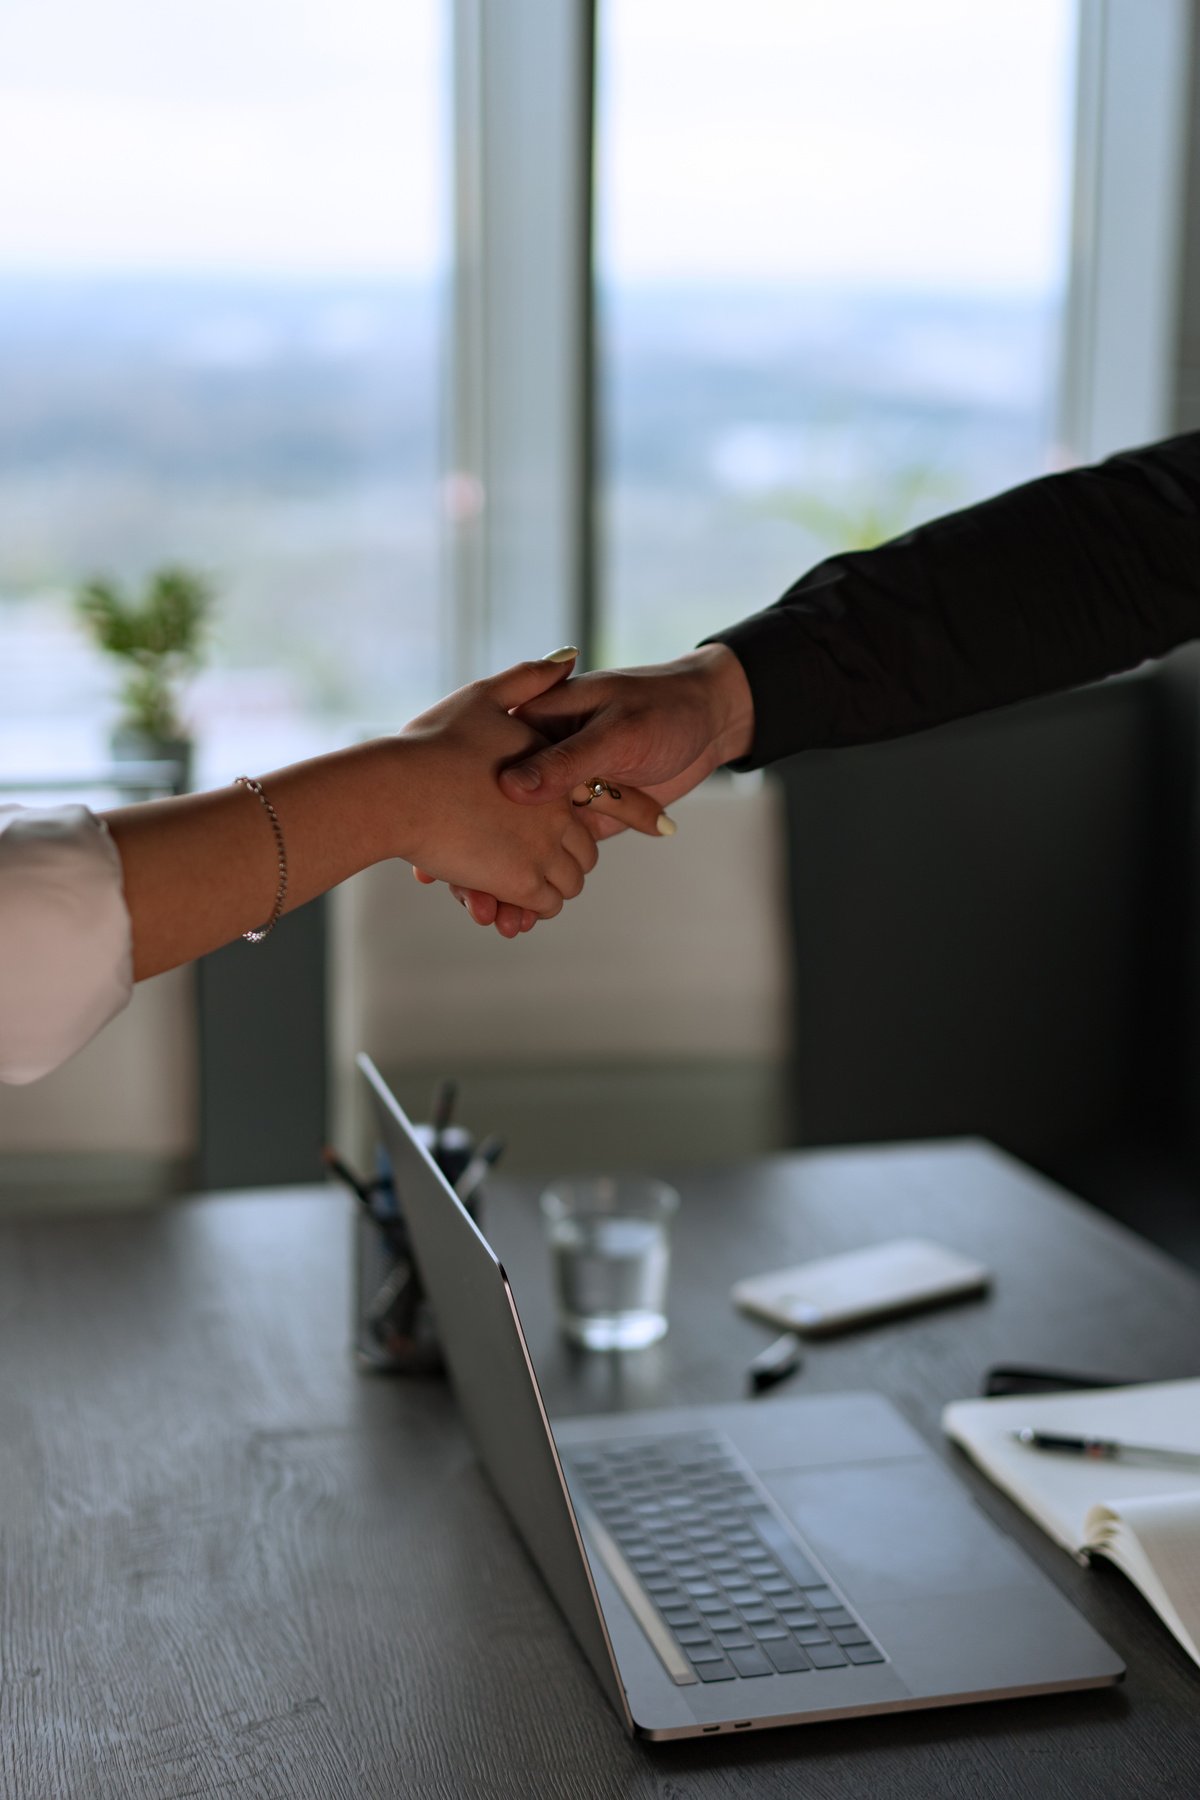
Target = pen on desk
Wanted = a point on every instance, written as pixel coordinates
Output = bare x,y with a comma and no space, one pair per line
775,1363
475,1173
444,1098
1106,1449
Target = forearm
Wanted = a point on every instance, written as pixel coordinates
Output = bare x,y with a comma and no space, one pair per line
201,869
1053,584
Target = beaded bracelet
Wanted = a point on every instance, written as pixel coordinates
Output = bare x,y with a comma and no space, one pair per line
264,930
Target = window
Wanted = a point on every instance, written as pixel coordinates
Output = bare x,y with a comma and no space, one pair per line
221,238
830,264
831,258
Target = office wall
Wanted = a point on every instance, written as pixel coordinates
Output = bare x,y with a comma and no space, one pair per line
263,1055
986,937
116,1124
215,1076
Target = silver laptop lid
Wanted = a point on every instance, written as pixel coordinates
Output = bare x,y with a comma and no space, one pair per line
493,1379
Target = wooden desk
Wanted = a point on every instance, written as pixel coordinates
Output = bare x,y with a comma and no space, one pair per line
229,1564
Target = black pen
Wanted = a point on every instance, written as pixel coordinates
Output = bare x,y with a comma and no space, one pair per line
1106,1449
444,1098
775,1363
346,1174
367,1197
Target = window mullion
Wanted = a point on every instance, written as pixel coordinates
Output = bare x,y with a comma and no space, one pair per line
1131,144
520,377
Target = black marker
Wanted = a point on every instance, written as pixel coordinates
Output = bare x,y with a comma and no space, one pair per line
444,1098
367,1197
346,1174
775,1363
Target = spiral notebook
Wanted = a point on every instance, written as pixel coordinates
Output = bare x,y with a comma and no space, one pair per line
1144,1520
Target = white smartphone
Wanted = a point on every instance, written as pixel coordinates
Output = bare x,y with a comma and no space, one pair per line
838,1292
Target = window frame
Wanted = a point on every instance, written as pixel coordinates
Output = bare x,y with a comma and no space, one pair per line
1132,136
520,445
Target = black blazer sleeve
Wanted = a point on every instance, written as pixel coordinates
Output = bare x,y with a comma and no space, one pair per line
1050,585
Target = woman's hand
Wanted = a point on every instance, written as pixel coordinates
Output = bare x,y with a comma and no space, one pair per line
666,727
459,825
603,817
468,739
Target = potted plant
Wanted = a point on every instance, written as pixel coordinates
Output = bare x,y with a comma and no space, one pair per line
159,637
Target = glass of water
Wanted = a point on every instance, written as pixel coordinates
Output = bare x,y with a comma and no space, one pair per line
610,1247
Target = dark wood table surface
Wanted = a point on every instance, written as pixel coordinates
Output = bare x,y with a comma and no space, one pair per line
232,1564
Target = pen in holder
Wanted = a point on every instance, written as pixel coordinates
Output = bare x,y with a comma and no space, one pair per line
393,1324
394,1329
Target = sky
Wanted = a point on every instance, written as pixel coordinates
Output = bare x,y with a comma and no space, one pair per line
276,136
923,142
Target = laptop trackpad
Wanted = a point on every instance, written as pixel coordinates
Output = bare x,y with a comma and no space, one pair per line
896,1530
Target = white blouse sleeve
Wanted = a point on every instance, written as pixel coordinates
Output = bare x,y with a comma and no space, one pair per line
66,952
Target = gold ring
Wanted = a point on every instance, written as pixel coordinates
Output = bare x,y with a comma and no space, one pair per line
595,788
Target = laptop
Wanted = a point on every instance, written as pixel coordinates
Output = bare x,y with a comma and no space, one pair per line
737,1567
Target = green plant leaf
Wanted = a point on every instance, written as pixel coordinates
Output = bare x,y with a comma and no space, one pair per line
161,634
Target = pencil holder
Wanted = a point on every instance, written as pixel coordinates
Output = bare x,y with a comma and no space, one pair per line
394,1331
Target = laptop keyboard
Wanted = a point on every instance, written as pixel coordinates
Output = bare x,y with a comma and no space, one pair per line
731,1583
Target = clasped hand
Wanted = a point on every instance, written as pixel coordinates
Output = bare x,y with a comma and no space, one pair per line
472,834
525,841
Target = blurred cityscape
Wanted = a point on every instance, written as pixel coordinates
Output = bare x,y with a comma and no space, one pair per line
284,437
749,432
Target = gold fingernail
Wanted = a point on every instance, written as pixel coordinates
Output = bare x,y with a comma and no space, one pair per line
666,827
567,654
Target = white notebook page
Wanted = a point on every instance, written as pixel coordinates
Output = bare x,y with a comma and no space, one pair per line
1146,1520
1155,1540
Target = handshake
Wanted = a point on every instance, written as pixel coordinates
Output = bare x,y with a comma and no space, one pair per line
533,768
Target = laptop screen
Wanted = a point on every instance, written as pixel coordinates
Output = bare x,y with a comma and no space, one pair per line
493,1379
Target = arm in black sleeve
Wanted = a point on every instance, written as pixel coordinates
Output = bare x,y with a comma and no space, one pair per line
1050,585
